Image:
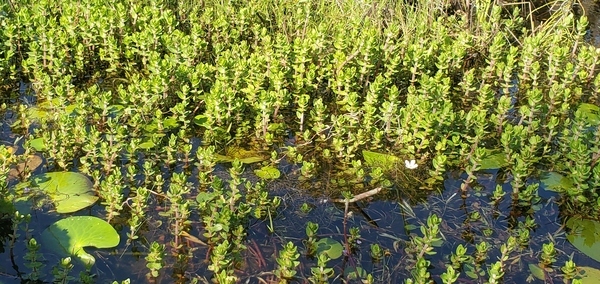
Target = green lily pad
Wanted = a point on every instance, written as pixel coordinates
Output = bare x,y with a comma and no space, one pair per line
38,144
589,275
355,273
555,182
331,247
493,159
69,236
537,271
42,110
268,172
68,191
585,236
241,154
384,161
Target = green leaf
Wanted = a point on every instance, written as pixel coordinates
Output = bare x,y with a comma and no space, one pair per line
411,227
537,271
384,161
590,113
555,182
200,120
147,145
69,236
589,275
585,236
493,159
170,123
205,197
331,247
68,191
353,273
241,154
268,172
38,144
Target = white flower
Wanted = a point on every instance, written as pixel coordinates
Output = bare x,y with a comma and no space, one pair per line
412,164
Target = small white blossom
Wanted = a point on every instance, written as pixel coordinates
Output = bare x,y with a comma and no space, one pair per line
412,164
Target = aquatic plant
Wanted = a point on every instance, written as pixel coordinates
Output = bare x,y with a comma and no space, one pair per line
143,97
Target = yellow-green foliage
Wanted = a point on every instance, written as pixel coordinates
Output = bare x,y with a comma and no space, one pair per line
430,81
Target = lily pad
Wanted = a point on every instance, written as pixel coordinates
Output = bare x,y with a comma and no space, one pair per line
555,182
331,247
585,236
38,144
384,161
244,156
68,191
537,271
355,273
268,172
589,275
69,236
493,159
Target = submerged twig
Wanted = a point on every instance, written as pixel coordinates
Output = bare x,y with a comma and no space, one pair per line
359,197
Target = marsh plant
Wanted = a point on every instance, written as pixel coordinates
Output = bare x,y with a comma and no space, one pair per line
169,106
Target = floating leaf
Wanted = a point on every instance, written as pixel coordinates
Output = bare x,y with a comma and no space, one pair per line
585,236
38,144
43,110
268,172
589,275
493,159
555,182
330,246
410,227
353,273
68,191
69,236
241,154
537,271
384,161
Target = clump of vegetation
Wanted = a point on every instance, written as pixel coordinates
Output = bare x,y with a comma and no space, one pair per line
169,107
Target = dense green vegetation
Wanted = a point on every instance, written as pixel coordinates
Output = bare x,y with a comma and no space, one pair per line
167,105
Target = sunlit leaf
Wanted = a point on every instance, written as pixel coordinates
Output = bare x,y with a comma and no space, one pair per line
585,236
384,161
268,172
590,113
331,247
555,182
242,155
493,159
204,197
170,123
69,236
589,275
537,271
68,191
147,145
38,144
